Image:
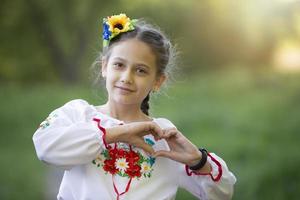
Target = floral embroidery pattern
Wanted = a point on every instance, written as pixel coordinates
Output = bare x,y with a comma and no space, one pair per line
48,121
122,160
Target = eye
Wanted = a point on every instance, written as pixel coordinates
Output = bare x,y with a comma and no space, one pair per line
141,71
118,65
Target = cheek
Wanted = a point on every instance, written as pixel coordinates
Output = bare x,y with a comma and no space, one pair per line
111,77
109,82
146,86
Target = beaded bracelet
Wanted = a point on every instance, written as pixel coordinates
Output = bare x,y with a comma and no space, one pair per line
202,162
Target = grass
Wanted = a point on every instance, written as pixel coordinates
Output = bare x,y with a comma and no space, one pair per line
249,118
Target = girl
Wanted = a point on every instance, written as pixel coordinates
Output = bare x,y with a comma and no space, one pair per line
116,150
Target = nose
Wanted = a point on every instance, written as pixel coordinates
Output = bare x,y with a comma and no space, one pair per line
126,76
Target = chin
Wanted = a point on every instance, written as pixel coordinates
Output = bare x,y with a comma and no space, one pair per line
126,101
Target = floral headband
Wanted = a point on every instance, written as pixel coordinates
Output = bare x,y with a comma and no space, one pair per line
114,25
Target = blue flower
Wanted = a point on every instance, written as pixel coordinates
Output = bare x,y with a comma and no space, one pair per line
106,32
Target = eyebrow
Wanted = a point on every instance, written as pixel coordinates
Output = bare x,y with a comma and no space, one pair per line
124,60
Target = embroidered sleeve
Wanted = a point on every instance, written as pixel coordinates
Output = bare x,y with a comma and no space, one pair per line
48,120
216,169
69,136
217,184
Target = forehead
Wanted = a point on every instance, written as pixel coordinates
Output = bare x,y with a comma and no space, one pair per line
134,51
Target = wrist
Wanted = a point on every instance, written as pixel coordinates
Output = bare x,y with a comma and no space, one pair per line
114,135
198,165
196,158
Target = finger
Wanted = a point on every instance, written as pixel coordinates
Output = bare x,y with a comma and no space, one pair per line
146,147
156,135
156,138
154,130
168,133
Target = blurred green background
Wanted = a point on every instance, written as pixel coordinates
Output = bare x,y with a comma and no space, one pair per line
236,89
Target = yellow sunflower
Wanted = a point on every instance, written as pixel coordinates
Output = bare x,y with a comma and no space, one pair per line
118,24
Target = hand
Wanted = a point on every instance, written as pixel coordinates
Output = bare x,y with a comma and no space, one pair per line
133,133
181,149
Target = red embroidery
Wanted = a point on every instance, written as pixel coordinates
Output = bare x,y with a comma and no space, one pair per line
129,162
101,129
123,161
109,166
116,189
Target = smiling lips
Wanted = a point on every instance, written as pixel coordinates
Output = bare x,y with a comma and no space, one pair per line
124,89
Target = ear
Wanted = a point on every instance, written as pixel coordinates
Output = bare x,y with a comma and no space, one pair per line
104,67
159,82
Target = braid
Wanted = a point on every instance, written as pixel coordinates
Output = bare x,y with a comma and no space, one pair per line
145,105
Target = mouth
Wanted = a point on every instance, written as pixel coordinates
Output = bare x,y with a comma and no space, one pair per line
124,89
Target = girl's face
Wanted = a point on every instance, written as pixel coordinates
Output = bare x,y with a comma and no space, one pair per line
131,72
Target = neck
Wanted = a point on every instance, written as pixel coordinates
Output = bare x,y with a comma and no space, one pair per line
126,113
